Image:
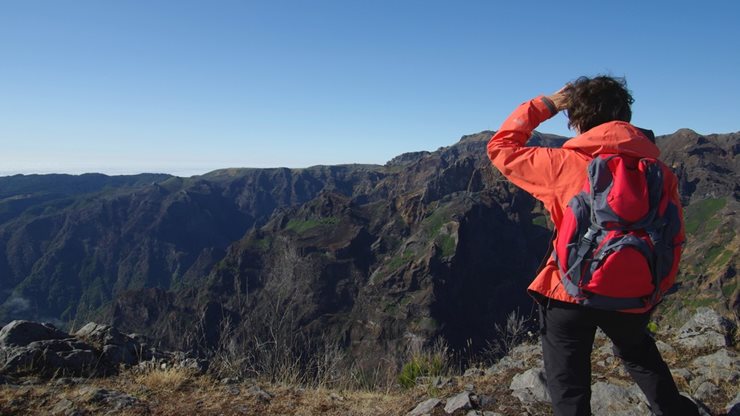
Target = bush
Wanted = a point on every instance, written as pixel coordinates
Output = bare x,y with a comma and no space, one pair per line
514,332
424,363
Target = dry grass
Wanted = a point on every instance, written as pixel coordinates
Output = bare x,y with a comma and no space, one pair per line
178,393
168,379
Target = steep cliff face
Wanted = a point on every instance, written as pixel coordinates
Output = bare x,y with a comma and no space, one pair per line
438,245
367,257
708,168
64,254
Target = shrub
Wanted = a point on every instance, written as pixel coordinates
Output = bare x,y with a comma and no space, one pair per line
514,332
652,327
424,363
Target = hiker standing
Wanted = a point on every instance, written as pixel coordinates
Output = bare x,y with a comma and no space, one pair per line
619,231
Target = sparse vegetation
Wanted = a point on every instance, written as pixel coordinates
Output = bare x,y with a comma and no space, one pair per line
699,214
167,379
397,261
434,222
512,333
447,245
729,289
430,362
301,226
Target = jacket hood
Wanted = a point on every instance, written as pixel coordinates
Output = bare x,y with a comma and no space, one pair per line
615,137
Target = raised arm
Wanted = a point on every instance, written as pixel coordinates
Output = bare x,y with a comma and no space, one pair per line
533,169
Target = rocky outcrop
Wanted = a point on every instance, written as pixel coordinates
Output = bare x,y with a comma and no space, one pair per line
31,348
21,333
706,329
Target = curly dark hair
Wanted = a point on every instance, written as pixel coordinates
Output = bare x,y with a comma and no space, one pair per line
593,101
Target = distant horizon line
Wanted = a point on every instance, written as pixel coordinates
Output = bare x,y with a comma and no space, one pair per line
187,172
181,173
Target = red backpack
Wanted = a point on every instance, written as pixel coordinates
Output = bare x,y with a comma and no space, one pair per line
615,246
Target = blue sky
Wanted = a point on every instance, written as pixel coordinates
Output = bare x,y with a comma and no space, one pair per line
186,87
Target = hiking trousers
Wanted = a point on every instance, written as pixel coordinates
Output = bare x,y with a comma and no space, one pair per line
568,332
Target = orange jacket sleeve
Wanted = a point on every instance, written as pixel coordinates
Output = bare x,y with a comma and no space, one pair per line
540,171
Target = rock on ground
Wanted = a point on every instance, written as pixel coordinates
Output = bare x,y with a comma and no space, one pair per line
612,400
706,329
457,402
424,408
530,386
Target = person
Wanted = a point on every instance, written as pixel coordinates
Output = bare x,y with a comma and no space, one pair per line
599,110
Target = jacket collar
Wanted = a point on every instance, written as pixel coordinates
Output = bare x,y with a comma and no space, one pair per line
615,137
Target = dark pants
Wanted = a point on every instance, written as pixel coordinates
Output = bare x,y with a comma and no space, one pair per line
568,335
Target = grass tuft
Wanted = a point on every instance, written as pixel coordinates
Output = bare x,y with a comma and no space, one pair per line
168,379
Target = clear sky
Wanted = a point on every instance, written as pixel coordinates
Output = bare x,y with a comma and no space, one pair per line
185,87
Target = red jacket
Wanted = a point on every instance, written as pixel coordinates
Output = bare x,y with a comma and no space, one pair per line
554,175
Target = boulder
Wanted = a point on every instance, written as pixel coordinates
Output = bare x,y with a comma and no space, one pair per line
21,361
614,400
21,333
260,394
706,329
474,372
198,366
79,361
424,408
55,359
116,347
457,402
719,368
60,345
485,400
100,335
530,386
63,407
30,348
117,354
504,364
114,400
